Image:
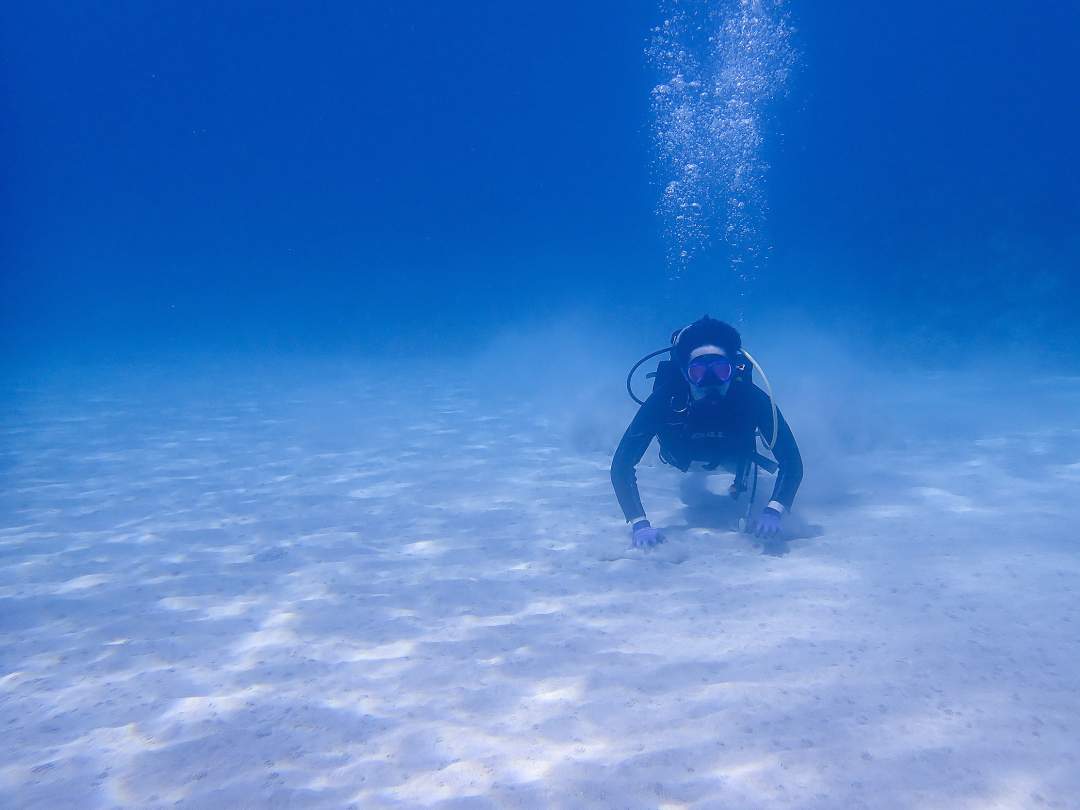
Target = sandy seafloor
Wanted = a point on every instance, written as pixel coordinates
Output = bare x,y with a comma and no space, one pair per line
347,594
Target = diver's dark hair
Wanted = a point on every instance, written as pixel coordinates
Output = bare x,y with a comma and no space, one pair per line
704,332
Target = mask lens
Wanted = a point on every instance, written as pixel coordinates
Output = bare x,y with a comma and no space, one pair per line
721,369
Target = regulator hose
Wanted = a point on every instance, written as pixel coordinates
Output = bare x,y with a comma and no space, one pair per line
636,366
772,402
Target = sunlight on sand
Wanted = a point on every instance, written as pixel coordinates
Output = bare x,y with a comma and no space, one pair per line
239,604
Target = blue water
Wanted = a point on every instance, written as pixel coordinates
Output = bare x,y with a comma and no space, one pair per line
185,178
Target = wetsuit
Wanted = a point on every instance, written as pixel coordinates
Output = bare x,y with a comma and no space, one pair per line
713,432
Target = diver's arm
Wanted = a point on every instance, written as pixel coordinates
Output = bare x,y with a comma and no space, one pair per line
786,452
631,448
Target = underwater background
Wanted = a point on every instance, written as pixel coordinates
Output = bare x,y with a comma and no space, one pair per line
362,177
315,322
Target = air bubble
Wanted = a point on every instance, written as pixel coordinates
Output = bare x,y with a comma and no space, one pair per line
711,141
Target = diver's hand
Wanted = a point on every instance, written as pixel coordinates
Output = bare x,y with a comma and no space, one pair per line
767,524
645,536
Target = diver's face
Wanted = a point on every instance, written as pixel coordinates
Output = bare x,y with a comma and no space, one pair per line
709,376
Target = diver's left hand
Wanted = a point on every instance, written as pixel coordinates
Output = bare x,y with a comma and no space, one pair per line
767,524
645,536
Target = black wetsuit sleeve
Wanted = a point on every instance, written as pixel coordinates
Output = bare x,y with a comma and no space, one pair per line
785,451
631,448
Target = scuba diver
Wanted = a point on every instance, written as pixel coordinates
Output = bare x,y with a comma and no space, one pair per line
707,413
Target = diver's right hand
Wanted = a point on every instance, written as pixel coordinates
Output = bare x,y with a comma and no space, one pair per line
645,536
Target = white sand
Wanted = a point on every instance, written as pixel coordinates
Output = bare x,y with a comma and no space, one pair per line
286,595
